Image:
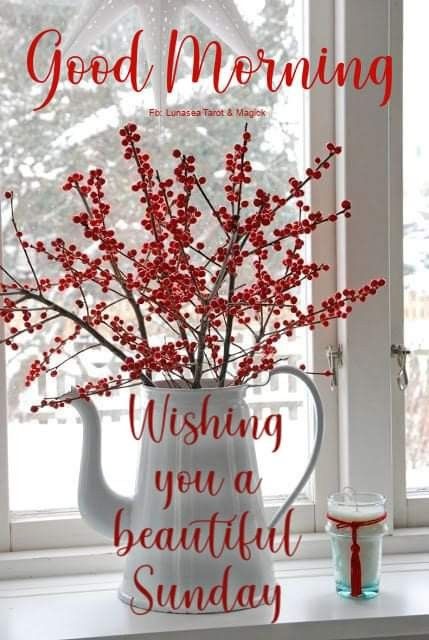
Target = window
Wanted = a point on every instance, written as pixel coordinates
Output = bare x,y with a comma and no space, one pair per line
378,422
412,495
416,262
376,436
37,152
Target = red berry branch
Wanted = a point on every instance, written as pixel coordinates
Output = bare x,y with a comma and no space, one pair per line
205,297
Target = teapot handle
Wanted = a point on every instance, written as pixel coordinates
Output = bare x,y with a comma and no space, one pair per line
317,442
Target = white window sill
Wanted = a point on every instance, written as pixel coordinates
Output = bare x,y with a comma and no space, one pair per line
85,607
47,562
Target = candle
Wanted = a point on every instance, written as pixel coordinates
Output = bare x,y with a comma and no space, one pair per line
356,523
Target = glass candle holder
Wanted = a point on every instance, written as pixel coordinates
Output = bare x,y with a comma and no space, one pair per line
356,524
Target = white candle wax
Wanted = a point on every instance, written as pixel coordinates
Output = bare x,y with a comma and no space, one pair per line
355,512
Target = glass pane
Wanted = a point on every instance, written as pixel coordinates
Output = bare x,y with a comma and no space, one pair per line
79,129
416,245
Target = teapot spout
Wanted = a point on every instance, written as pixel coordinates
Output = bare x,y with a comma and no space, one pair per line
98,504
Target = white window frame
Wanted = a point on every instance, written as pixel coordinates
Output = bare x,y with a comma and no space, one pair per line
411,508
320,124
363,128
4,485
371,406
365,408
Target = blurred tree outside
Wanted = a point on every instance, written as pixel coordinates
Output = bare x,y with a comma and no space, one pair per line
78,130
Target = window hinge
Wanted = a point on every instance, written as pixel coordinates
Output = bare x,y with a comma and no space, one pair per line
401,354
335,360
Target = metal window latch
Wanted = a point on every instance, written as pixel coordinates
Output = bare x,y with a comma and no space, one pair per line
401,354
335,359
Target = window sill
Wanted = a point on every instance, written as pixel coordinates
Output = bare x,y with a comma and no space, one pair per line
86,607
43,563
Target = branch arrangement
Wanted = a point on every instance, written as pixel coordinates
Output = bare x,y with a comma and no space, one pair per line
205,297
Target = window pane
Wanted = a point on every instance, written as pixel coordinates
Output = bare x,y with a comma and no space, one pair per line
416,245
77,130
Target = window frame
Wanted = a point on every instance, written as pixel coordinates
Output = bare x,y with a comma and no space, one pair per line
4,484
375,412
411,508
329,115
363,252
320,22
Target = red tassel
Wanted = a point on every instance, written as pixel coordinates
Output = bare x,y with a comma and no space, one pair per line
355,567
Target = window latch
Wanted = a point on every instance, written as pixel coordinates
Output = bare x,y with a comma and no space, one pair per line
335,360
401,353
